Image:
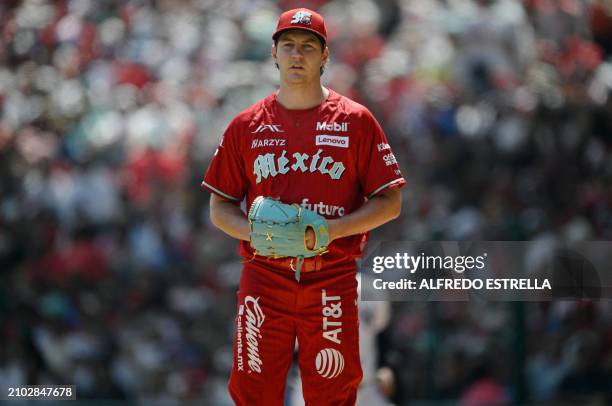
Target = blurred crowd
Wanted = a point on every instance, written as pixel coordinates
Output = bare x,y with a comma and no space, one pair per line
112,276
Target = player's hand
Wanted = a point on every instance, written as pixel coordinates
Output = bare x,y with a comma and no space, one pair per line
310,238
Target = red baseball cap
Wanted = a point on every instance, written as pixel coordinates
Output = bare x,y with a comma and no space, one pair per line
301,19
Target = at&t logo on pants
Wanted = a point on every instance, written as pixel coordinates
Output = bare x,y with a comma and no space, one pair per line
329,363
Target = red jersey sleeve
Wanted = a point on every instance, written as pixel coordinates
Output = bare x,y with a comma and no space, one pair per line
225,175
378,168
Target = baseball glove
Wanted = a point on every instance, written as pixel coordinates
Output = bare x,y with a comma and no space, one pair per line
279,230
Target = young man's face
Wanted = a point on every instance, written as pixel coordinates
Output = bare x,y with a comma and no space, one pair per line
299,56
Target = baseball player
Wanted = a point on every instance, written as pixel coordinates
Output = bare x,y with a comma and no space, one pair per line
316,173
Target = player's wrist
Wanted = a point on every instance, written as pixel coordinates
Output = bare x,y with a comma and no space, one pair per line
332,229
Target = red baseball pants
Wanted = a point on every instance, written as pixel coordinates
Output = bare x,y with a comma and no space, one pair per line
274,309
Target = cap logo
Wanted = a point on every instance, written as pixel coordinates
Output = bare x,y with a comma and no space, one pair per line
301,17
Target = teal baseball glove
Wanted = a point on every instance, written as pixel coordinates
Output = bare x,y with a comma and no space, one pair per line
279,230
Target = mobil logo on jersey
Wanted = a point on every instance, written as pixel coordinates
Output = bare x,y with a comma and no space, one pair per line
325,126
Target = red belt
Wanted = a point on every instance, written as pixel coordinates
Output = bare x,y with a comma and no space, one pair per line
289,263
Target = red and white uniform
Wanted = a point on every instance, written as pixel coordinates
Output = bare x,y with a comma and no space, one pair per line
329,159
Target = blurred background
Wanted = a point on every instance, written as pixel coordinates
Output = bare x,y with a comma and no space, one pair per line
112,277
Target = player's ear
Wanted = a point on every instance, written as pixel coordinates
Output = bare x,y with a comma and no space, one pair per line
274,56
325,56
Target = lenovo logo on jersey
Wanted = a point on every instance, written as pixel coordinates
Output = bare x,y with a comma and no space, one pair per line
275,128
333,140
323,126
